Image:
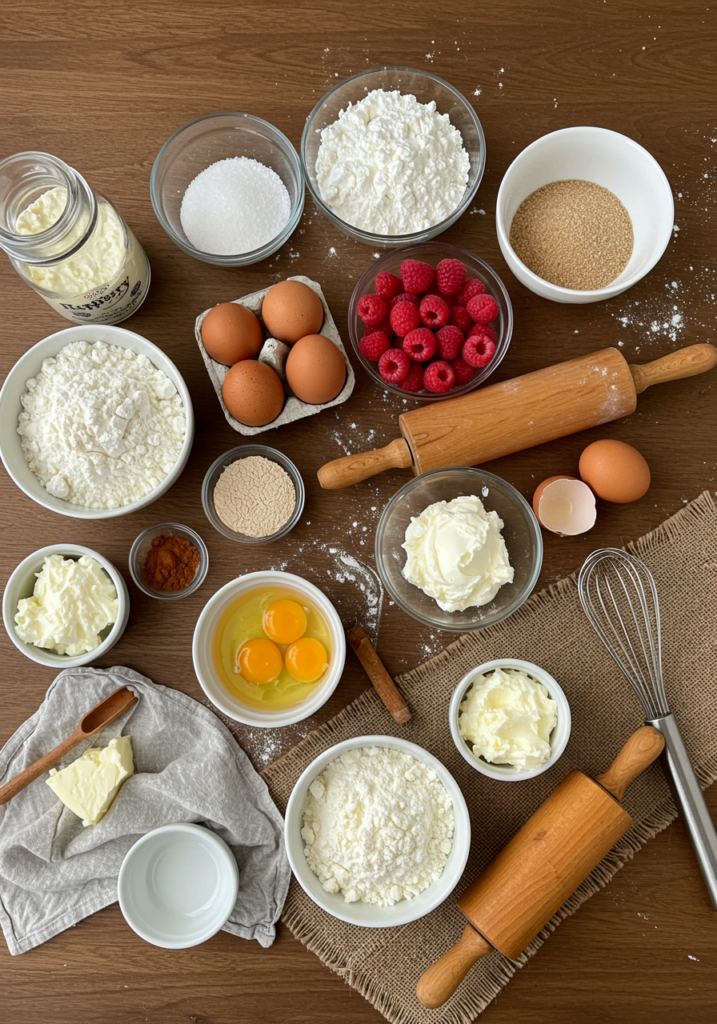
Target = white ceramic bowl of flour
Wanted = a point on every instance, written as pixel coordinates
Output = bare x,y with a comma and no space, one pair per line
606,158
203,658
30,364
368,915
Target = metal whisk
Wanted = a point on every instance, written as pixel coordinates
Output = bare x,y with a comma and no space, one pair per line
619,597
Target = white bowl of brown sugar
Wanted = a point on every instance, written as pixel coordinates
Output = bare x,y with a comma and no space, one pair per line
583,214
253,494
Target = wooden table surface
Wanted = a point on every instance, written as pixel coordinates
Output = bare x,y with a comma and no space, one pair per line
103,88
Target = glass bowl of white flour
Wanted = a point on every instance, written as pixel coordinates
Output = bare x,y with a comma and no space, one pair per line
393,156
425,794
95,422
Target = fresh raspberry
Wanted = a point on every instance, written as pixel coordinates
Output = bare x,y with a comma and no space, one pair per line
450,276
439,377
459,318
384,326
469,290
420,344
482,308
387,285
404,297
372,309
404,318
450,342
413,381
394,365
463,371
433,311
484,330
478,350
448,299
374,345
417,277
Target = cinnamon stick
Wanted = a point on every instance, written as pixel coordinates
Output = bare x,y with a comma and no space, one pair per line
377,673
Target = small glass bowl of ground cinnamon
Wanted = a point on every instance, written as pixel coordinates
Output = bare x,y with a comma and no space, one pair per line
168,561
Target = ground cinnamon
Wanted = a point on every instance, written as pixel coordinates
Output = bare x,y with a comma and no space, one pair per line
171,563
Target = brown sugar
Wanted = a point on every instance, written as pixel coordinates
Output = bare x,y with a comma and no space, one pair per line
574,234
171,563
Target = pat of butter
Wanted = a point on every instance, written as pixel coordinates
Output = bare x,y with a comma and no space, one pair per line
89,785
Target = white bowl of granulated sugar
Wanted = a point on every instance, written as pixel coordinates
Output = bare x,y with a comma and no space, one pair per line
583,214
336,790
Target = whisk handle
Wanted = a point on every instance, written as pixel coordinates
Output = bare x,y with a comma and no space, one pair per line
690,802
640,751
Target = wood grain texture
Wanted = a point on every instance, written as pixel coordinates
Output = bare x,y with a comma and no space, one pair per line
103,89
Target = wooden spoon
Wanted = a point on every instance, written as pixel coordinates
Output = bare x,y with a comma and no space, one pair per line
94,721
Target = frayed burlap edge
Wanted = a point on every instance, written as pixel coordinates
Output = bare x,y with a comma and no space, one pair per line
501,968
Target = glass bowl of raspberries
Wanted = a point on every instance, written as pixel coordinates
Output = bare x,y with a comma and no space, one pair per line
430,321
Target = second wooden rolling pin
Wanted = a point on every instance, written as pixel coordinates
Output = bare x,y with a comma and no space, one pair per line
519,413
552,854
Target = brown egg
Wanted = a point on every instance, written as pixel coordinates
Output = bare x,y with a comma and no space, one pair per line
231,332
253,393
616,471
564,505
291,310
315,369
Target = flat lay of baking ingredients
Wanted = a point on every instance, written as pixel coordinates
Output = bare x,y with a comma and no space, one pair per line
359,514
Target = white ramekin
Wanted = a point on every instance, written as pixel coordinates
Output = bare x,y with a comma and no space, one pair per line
30,364
22,584
368,915
558,740
204,662
608,159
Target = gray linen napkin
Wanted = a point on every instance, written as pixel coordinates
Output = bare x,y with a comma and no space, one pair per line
54,872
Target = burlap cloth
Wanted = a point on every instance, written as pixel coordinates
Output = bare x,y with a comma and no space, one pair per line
552,631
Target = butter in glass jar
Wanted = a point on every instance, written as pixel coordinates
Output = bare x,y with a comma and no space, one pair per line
68,242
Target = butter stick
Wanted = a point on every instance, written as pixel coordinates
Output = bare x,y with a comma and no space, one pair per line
377,673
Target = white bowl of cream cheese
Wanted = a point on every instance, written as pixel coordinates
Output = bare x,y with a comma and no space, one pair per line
513,712
103,421
21,585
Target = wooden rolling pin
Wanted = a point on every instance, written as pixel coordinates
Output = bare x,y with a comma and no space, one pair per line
531,878
519,413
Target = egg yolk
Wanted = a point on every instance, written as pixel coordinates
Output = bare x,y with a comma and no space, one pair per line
306,660
259,661
284,621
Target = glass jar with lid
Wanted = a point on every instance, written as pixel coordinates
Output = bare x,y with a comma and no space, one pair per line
68,242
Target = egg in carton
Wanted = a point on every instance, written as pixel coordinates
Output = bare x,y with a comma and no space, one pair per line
275,354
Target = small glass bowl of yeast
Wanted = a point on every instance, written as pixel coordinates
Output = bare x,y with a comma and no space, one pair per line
269,649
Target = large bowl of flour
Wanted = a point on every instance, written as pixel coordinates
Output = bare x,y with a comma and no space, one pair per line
391,835
129,429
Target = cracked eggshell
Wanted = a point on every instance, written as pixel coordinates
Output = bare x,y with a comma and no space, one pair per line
564,505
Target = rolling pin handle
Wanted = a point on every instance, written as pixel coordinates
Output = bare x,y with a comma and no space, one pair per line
441,980
640,751
353,468
684,362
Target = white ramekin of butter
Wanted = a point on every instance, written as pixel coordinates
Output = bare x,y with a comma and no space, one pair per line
509,719
65,606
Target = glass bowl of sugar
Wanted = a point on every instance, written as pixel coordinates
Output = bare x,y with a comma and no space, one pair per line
228,189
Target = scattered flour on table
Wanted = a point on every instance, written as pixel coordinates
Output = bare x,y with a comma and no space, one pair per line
378,826
101,426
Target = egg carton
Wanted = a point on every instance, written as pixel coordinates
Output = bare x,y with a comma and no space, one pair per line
275,354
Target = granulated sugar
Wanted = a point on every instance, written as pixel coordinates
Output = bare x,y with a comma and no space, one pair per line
234,206
574,234
254,496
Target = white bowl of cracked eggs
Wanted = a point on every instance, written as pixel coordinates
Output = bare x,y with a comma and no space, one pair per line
398,822
109,425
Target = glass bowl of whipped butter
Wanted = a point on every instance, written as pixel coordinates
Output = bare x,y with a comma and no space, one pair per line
509,719
458,549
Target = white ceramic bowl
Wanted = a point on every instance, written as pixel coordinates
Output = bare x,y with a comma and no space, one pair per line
22,583
178,885
29,365
605,158
204,662
368,915
558,739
